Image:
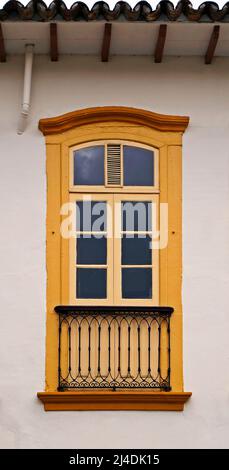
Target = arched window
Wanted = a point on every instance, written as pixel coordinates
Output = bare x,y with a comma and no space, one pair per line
114,191
113,275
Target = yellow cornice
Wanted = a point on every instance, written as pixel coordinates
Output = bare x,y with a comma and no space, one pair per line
68,121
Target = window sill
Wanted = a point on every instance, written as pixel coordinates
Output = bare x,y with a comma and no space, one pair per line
109,400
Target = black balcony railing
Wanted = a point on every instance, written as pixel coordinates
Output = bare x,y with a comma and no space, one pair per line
114,347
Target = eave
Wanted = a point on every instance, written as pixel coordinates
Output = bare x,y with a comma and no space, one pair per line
118,38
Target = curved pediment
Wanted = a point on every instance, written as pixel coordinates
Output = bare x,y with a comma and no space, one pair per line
81,117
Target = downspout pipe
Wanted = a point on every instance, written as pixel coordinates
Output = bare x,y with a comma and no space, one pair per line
29,52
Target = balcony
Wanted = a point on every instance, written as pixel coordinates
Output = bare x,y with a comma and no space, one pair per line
114,348
113,358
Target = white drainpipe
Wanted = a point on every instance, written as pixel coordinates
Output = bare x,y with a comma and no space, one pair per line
29,50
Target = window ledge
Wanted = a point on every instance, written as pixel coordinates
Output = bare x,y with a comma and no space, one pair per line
109,400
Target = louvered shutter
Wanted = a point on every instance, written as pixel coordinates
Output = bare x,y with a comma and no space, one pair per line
114,165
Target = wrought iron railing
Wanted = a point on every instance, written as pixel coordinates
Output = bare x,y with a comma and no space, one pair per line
114,347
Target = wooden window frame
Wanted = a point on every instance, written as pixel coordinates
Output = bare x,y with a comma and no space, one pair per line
163,133
118,300
72,300
105,188
113,264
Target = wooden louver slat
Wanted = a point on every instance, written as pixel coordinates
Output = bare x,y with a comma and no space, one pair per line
114,165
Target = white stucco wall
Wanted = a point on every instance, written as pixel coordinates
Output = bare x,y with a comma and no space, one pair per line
177,86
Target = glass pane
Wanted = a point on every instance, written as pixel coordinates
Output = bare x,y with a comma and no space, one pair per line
91,250
89,166
136,216
91,283
136,249
91,216
138,166
136,283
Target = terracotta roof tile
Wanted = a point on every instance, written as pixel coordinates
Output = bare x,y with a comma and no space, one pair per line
37,10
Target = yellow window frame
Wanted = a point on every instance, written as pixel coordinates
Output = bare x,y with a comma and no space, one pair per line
163,133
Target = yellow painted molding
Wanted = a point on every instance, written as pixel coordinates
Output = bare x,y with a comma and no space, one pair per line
109,400
148,129
53,262
115,130
82,117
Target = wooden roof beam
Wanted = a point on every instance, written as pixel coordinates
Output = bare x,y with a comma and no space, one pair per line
106,42
212,45
53,42
2,46
159,49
